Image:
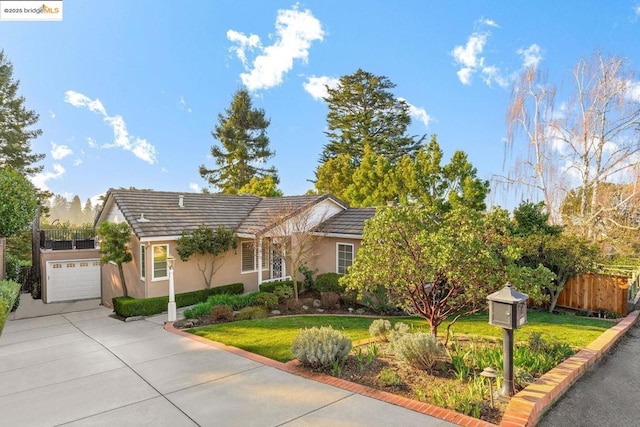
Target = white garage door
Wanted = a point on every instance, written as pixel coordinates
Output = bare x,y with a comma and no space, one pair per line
72,280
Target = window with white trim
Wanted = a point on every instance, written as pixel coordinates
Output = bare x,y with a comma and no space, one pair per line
344,257
143,261
160,253
248,256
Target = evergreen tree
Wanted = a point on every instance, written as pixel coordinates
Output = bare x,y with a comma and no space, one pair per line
363,111
15,125
75,211
244,145
87,212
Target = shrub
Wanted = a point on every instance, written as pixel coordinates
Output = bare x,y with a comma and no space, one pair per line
379,300
329,282
380,328
221,313
270,286
9,292
128,307
250,313
293,304
320,347
15,268
197,311
400,329
267,299
389,378
308,273
329,300
420,350
283,292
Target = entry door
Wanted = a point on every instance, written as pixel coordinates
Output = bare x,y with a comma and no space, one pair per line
277,261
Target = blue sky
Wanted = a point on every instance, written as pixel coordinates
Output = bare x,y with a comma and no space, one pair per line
129,91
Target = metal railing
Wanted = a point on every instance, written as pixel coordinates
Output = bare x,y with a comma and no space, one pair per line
68,238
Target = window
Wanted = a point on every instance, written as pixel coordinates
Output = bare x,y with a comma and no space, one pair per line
344,257
248,256
143,261
160,261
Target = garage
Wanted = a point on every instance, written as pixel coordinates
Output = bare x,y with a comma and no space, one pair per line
73,280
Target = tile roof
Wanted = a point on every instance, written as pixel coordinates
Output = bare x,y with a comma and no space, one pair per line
350,221
164,217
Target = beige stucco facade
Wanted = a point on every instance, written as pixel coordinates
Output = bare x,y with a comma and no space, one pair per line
326,250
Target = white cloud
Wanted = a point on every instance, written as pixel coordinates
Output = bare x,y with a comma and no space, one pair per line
40,179
140,147
183,105
531,56
295,31
633,90
52,114
317,86
195,187
488,23
164,170
464,74
77,162
59,152
492,74
418,113
469,55
91,142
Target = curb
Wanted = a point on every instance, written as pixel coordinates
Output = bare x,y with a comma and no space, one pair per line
527,407
292,367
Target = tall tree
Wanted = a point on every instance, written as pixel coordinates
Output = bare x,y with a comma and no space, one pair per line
88,212
19,201
114,241
75,211
264,187
363,111
242,133
593,139
16,122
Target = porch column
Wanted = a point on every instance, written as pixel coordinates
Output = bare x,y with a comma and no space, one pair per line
259,261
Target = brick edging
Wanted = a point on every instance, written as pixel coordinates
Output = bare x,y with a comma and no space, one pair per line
293,367
527,407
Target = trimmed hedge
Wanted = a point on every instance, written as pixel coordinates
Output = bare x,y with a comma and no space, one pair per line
270,286
9,292
128,307
329,282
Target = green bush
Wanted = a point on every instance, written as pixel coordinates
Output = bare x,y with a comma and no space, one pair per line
283,292
221,313
267,299
128,307
271,286
328,282
250,313
420,350
14,267
380,328
320,347
236,302
197,311
9,292
329,300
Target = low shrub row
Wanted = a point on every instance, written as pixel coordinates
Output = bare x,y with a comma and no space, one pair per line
271,286
233,301
128,307
9,292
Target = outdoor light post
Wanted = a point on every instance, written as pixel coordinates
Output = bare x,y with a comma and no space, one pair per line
171,316
507,309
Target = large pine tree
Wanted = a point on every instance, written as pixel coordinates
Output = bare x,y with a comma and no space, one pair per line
244,145
363,111
16,121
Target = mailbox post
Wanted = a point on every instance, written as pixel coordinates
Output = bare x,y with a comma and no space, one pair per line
507,309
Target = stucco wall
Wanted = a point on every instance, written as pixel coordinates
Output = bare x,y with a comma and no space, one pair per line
325,259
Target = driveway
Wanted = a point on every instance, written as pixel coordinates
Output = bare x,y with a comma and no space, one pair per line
607,395
87,369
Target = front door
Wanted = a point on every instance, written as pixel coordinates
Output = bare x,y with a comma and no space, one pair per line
277,261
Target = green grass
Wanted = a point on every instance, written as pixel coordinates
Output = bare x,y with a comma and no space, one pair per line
272,337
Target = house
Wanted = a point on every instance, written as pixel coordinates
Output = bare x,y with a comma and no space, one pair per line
271,232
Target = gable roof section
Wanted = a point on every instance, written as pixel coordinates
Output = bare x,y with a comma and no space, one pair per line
271,209
163,215
349,222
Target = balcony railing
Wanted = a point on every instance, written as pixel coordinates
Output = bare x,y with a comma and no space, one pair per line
68,238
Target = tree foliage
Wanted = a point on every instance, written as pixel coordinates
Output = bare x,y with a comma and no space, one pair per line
363,111
208,245
242,133
431,264
18,202
16,122
264,187
114,247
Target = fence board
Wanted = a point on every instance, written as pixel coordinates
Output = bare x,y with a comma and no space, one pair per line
596,292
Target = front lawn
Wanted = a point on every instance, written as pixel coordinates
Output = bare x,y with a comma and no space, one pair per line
272,337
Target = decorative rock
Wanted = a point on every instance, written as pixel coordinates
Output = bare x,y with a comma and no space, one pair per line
275,312
350,309
319,310
304,307
360,311
316,303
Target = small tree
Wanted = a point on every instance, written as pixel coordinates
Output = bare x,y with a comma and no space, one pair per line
208,245
114,239
18,202
432,265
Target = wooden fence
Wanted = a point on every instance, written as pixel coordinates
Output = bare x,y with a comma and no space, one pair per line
596,292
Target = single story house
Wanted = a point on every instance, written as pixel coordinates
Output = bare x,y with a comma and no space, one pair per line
270,231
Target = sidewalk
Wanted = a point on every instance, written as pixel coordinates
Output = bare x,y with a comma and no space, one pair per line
85,368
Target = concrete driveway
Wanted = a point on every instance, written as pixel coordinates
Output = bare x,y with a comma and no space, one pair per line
87,369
